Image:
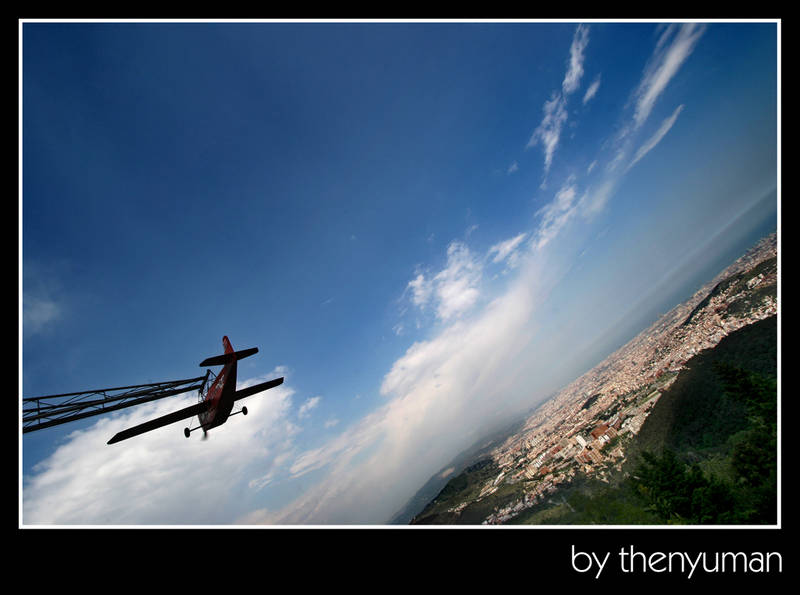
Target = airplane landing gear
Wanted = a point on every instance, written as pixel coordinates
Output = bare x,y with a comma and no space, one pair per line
187,431
244,410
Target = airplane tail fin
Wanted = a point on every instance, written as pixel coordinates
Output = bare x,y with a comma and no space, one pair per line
229,356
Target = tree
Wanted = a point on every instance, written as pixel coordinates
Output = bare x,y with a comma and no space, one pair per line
682,493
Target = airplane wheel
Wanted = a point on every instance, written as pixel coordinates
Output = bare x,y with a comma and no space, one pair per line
186,432
244,410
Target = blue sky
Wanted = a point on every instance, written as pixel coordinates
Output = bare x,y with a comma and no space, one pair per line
425,227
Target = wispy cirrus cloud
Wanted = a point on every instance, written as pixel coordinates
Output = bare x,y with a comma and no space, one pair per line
574,73
650,143
507,249
306,408
595,198
592,90
555,214
674,46
548,133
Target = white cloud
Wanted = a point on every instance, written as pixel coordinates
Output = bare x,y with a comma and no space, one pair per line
555,215
457,285
592,90
648,145
548,132
421,290
565,206
674,45
308,406
281,460
455,289
666,31
575,71
663,65
513,167
507,249
595,199
310,461
161,478
619,157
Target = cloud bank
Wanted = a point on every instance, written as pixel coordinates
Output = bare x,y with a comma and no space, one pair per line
161,477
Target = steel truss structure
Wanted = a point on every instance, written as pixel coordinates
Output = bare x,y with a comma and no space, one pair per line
52,410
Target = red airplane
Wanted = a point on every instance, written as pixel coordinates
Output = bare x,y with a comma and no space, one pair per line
216,404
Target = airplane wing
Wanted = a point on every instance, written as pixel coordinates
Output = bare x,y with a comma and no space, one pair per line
251,390
188,412
159,422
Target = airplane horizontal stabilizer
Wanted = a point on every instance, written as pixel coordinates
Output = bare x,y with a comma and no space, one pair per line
159,422
226,358
251,390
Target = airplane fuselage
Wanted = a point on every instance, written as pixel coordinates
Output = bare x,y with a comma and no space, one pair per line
220,395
